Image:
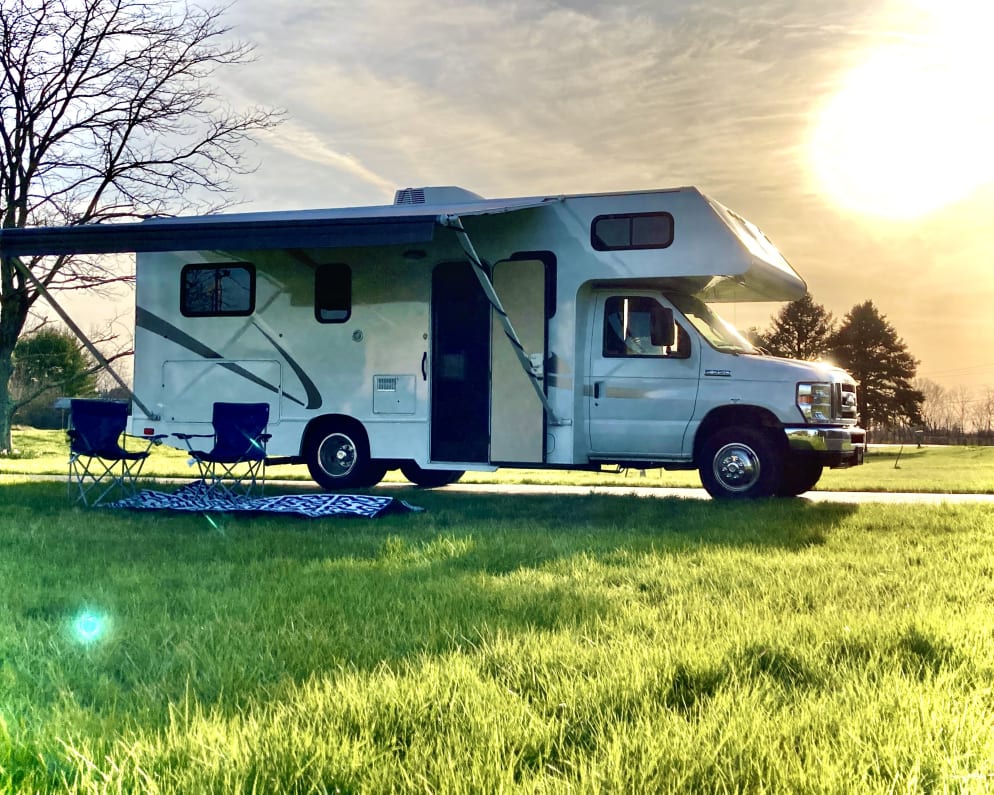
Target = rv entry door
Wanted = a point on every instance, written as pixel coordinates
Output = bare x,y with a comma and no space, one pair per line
517,417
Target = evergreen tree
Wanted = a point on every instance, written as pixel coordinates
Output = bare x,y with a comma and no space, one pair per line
49,363
868,347
757,337
801,330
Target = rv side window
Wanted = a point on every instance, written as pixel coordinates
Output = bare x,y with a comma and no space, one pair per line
628,330
631,231
332,293
217,290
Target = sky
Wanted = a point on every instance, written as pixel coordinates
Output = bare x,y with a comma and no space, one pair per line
857,135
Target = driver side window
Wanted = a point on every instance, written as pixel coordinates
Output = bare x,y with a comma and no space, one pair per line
628,324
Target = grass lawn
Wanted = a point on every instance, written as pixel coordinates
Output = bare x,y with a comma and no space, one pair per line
493,643
909,469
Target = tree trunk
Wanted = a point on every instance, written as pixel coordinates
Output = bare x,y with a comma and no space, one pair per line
6,403
13,313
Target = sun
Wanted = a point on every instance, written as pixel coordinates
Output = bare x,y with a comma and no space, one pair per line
910,130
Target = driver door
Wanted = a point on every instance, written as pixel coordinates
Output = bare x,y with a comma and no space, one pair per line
640,395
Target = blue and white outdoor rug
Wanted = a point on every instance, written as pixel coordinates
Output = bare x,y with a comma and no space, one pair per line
196,497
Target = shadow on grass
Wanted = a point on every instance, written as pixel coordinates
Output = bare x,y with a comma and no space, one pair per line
229,606
508,531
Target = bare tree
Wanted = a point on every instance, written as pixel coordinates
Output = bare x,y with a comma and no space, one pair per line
107,113
935,407
959,399
983,415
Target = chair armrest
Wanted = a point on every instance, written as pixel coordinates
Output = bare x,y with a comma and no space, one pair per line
186,437
148,440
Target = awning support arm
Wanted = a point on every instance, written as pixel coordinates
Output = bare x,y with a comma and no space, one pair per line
101,359
532,368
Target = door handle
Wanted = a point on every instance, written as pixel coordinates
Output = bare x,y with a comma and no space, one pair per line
424,366
597,390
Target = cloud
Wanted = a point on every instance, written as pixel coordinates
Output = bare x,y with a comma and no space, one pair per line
297,141
620,96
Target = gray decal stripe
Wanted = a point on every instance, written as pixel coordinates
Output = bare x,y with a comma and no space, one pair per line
313,395
156,325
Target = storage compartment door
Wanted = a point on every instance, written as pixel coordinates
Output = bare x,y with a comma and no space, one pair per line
190,388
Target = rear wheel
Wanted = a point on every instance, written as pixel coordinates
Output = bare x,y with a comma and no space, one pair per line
429,478
338,458
740,463
800,475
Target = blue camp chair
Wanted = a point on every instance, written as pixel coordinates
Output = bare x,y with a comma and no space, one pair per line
99,464
236,464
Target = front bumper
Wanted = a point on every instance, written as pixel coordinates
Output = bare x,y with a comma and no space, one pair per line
836,447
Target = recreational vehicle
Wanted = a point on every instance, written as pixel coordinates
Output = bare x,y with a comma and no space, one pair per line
448,332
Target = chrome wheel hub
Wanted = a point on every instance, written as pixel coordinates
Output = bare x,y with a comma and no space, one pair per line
736,467
337,455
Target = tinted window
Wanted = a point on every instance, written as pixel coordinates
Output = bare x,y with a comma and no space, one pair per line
217,290
631,231
332,293
612,232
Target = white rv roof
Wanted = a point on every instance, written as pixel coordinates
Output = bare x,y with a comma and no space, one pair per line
463,206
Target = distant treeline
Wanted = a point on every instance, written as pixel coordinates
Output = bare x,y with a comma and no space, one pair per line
930,436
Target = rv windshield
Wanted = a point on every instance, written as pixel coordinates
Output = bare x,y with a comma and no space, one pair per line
721,334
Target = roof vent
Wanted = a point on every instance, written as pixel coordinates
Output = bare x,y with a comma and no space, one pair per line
410,196
444,195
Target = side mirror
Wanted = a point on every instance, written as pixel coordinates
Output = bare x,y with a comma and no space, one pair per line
663,333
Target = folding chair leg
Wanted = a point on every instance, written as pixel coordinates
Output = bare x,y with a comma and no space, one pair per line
95,476
233,480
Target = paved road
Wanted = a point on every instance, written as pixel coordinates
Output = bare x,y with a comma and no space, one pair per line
700,494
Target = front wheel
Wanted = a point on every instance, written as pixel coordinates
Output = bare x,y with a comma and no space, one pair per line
740,463
338,458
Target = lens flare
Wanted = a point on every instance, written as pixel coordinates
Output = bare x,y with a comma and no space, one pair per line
89,626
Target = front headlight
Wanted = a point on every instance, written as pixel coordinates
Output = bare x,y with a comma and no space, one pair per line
815,401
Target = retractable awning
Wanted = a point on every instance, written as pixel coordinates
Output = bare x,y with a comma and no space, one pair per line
349,227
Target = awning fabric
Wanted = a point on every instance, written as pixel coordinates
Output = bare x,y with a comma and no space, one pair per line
347,227
195,235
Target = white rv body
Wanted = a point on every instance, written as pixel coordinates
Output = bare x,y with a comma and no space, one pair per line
380,348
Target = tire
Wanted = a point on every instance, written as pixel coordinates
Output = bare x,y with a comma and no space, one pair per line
740,464
800,474
338,458
429,478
